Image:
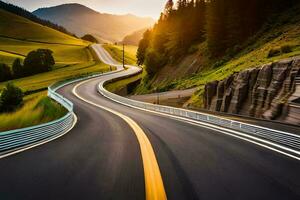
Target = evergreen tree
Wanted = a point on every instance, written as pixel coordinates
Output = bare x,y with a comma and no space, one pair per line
143,46
224,24
216,28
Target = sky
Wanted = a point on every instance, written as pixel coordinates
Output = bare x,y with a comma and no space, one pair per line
146,8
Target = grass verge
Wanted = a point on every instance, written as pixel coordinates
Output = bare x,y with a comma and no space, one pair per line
118,85
43,80
37,109
117,53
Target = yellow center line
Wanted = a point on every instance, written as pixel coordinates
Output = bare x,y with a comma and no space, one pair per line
154,186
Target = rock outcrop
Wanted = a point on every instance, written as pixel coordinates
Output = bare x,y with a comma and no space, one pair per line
261,92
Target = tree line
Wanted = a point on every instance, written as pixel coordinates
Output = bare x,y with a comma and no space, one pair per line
28,15
223,24
38,61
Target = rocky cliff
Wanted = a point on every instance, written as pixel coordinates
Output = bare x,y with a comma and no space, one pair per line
261,92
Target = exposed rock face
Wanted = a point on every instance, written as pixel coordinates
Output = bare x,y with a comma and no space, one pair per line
259,92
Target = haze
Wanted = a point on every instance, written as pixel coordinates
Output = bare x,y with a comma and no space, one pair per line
151,8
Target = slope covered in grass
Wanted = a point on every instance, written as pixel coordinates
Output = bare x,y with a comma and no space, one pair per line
43,80
14,26
198,68
19,36
116,51
37,109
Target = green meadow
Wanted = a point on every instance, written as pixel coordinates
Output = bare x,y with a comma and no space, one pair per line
19,36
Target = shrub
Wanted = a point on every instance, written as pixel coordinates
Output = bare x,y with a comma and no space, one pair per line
273,52
11,98
5,73
286,49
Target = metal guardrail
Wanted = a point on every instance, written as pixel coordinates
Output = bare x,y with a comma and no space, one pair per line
284,139
14,140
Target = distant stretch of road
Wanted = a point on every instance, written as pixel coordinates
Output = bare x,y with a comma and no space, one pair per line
103,157
164,96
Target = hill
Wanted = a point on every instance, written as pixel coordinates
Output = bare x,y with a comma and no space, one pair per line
82,20
19,36
28,15
198,65
134,38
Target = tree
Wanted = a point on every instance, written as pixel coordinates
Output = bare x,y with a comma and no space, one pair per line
38,61
5,73
90,38
169,7
216,26
11,97
153,62
143,45
17,69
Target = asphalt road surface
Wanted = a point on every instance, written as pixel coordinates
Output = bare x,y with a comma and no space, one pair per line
101,159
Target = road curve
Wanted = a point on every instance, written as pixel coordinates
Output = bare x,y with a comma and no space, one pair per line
101,159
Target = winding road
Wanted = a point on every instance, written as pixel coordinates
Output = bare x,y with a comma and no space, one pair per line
105,157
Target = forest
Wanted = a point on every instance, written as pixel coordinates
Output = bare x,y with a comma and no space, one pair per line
225,26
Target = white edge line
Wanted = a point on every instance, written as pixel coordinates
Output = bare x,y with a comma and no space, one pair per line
43,141
215,128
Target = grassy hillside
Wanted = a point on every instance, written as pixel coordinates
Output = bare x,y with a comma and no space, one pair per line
198,68
18,27
37,109
19,36
43,80
116,51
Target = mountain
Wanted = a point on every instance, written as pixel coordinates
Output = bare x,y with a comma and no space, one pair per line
82,20
134,38
196,65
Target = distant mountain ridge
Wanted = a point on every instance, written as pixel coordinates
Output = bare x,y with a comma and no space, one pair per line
82,20
134,38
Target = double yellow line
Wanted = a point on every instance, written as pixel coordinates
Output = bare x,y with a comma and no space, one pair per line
153,181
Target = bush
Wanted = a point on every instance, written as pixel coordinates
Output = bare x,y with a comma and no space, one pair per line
273,52
38,61
286,49
5,73
11,98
